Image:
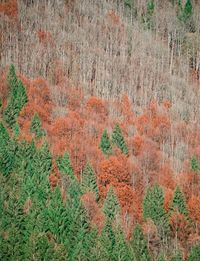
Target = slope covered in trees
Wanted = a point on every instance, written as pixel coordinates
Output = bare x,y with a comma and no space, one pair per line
99,130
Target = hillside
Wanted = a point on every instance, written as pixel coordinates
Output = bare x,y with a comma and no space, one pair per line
100,130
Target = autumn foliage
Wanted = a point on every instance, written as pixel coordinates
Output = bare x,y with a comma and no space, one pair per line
148,162
9,8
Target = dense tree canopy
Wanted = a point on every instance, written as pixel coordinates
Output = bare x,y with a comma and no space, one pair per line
99,130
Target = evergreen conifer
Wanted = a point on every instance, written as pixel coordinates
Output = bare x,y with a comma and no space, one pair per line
12,79
64,165
120,250
17,98
148,17
107,241
153,207
178,202
111,205
194,164
138,245
8,148
76,230
88,182
188,9
36,126
105,144
53,215
118,139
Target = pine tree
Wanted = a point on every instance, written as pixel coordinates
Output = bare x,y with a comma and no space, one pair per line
25,154
23,223
53,215
107,242
64,165
180,4
88,182
13,223
105,144
8,149
39,170
75,232
153,207
178,202
36,126
188,10
150,7
44,156
12,79
10,114
138,245
74,192
17,98
28,150
148,17
120,250
21,96
194,164
7,158
111,205
194,254
185,15
118,139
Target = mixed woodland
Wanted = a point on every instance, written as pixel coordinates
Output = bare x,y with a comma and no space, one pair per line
100,130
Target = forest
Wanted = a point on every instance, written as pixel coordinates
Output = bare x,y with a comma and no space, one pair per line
100,130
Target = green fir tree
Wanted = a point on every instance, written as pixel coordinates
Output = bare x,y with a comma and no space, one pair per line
185,15
188,9
153,207
53,215
194,164
76,230
12,79
89,182
120,250
105,144
8,150
107,242
118,139
148,17
17,98
36,126
138,245
111,205
64,165
21,96
178,202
